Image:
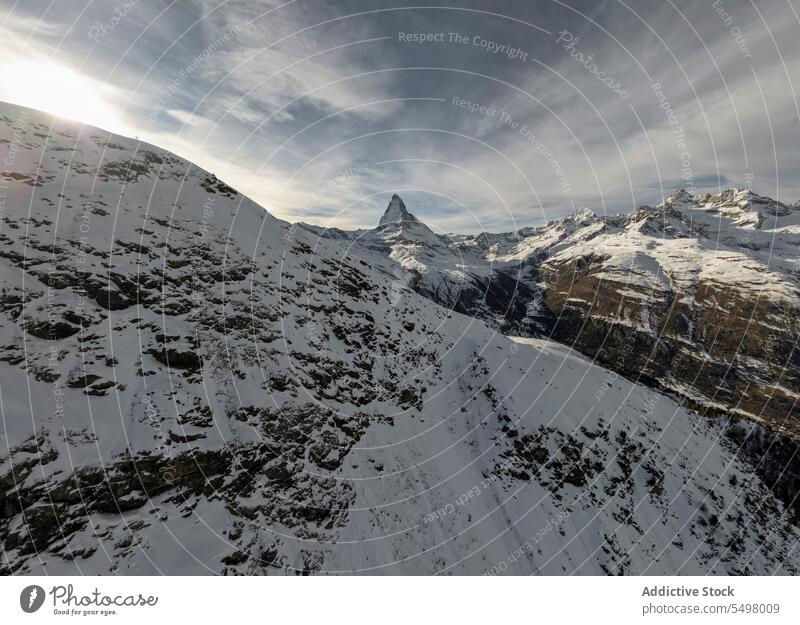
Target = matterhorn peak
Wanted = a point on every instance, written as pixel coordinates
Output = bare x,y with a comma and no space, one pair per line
396,213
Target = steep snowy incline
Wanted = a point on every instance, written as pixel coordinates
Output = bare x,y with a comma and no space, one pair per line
192,386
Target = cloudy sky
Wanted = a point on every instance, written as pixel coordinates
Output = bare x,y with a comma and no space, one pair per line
482,115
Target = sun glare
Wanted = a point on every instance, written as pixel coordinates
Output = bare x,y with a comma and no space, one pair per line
58,90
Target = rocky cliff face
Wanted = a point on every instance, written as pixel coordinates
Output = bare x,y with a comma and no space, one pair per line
192,386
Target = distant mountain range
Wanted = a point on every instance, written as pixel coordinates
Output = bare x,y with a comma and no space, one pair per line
191,386
698,295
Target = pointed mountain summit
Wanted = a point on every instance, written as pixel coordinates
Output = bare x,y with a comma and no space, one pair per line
396,213
399,225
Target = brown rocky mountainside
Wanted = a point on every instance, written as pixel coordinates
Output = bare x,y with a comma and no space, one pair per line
697,296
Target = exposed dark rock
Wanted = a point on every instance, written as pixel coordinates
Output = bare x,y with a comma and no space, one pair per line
177,359
51,330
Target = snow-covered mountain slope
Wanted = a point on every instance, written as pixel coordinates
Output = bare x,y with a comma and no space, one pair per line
192,386
698,295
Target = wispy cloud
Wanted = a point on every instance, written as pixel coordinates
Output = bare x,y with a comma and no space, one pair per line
287,99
